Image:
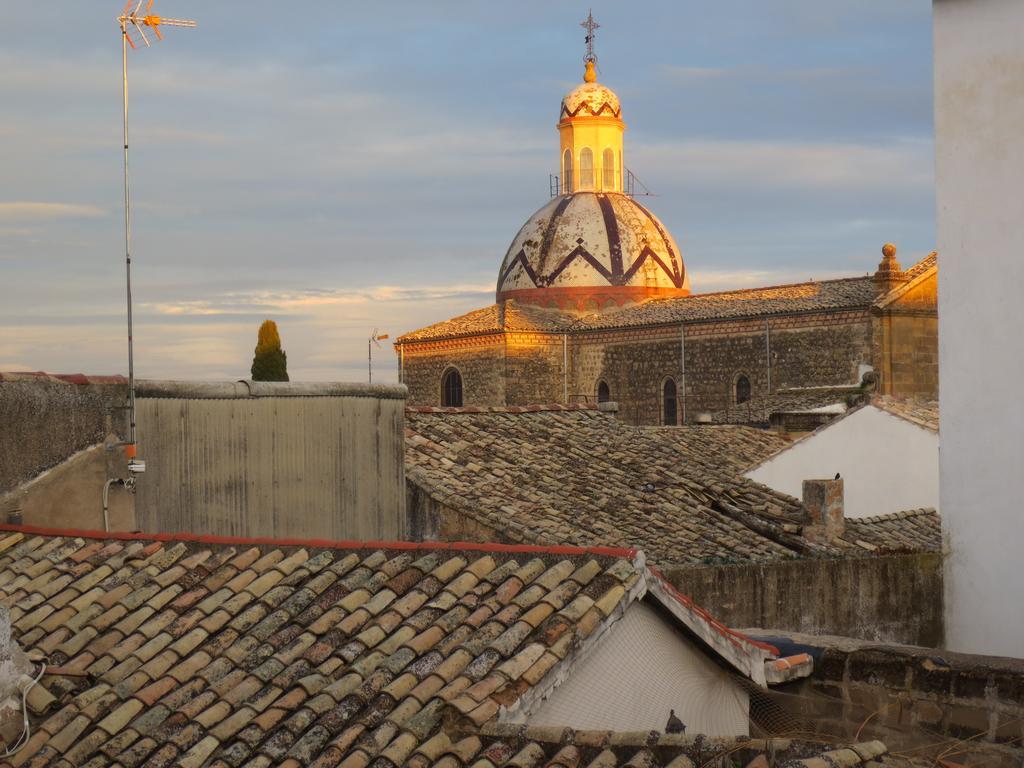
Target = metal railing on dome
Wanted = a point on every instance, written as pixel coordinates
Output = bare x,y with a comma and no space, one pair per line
601,182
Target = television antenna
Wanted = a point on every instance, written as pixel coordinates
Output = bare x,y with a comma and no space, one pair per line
138,19
375,339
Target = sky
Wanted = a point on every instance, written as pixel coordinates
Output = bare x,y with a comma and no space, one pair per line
342,167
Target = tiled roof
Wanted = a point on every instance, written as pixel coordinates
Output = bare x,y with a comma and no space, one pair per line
899,531
928,262
924,413
513,316
579,476
182,651
758,409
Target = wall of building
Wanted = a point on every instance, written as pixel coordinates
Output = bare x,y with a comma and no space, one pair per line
45,419
288,460
906,343
930,702
893,598
887,463
534,368
480,360
979,109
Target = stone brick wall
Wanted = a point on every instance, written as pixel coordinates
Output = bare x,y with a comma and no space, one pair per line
534,369
523,368
896,598
481,361
905,343
969,709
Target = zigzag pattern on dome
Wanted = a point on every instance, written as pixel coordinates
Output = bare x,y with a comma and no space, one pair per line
579,252
605,107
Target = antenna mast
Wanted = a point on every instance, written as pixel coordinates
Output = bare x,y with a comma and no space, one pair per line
132,18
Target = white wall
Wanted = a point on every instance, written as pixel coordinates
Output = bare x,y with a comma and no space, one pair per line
887,463
979,133
639,671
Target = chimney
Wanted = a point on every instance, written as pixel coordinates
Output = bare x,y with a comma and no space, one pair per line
823,509
889,274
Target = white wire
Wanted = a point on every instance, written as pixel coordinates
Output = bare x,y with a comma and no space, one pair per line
26,731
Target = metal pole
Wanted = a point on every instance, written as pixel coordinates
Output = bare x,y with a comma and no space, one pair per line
768,364
369,359
127,235
401,363
565,368
682,369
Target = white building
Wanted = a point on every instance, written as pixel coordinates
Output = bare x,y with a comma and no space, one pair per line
887,452
979,137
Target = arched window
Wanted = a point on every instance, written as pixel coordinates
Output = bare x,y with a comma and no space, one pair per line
608,168
586,168
742,389
451,389
567,171
668,403
603,393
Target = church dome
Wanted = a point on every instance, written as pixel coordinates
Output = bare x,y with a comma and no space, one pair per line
590,99
591,250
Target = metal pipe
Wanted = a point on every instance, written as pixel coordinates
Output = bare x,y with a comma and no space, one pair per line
565,368
682,371
768,364
127,234
401,363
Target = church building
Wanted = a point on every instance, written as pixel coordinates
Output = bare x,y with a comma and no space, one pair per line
593,303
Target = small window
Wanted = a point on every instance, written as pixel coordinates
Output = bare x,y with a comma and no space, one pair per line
742,389
567,171
603,393
668,403
586,168
608,168
451,389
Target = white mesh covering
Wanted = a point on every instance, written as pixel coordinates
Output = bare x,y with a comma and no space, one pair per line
637,672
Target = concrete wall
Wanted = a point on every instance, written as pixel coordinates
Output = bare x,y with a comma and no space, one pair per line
931,703
262,459
58,446
979,111
893,598
887,463
45,419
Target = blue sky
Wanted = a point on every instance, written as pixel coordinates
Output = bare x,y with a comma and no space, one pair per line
367,164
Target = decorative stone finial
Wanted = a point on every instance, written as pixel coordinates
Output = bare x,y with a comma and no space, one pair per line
889,251
889,273
590,76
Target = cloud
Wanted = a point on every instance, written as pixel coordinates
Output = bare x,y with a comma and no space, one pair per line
905,165
714,281
21,210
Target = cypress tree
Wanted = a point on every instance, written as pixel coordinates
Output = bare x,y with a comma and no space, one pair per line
270,363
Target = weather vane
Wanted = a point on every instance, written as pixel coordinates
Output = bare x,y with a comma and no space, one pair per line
131,17
590,25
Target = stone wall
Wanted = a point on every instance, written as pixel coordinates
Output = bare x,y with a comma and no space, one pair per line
45,419
895,598
534,369
968,709
905,343
480,360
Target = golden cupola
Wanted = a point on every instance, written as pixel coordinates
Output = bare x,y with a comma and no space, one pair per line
592,246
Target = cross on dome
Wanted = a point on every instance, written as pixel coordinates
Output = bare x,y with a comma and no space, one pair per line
590,25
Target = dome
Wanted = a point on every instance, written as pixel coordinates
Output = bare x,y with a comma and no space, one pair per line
590,99
591,250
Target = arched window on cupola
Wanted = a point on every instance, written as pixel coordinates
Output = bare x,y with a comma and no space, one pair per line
668,403
586,168
567,171
451,389
608,169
